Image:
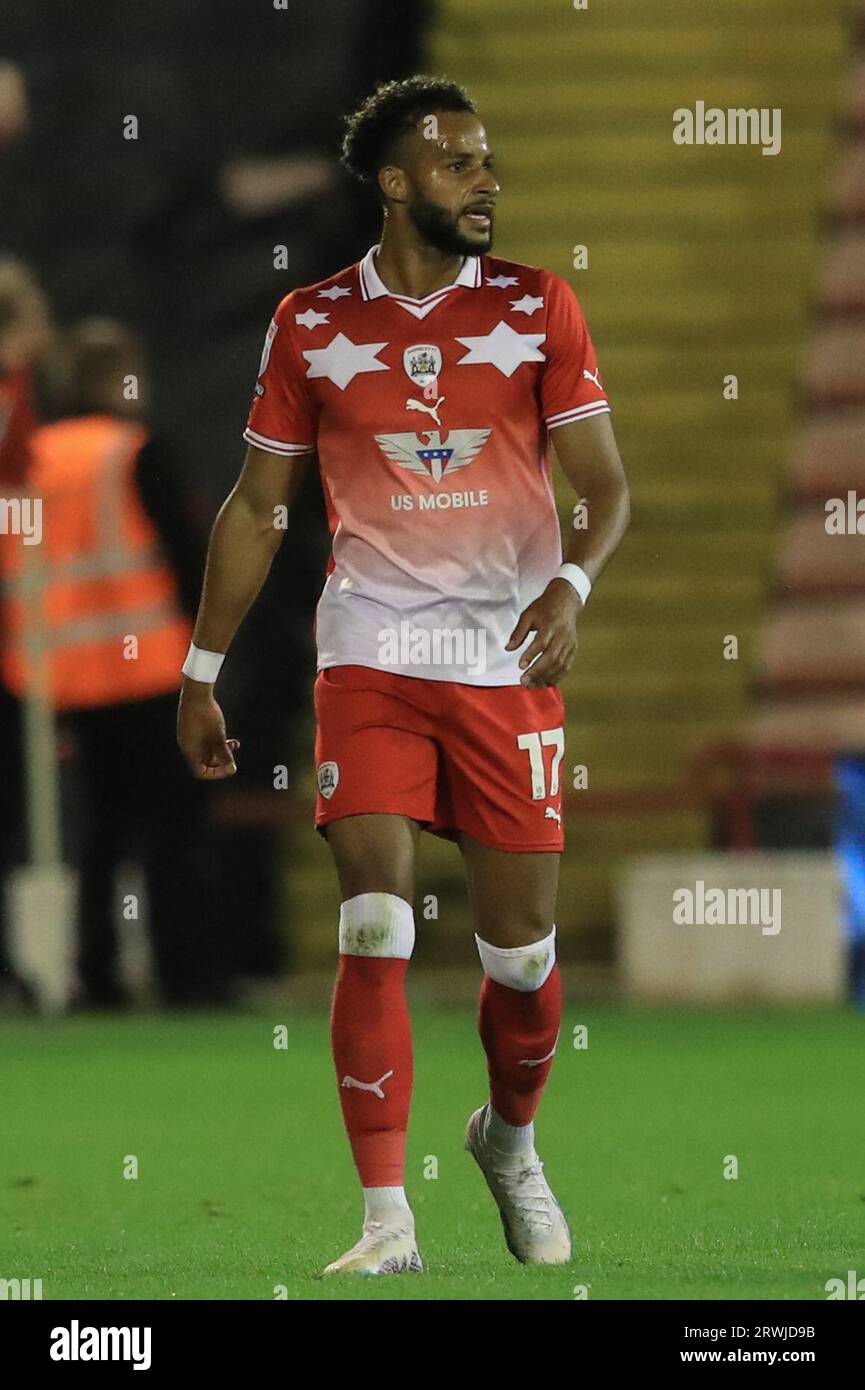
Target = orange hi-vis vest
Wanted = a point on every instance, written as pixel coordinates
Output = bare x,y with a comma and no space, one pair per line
92,606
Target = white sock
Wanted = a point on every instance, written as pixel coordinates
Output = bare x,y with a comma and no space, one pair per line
508,1139
383,1203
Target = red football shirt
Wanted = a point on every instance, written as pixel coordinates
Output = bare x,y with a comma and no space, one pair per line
431,419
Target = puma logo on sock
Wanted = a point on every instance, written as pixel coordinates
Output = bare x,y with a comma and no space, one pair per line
530,1061
374,1086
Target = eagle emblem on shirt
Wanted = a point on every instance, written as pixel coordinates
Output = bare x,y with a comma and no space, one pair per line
437,457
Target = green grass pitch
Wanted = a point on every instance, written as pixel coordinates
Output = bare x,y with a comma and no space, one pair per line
245,1182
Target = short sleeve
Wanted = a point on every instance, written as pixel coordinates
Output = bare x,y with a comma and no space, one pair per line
571,386
282,418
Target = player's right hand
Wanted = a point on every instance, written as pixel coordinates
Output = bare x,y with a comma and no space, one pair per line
201,734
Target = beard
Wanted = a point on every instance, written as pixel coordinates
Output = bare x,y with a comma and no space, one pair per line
442,230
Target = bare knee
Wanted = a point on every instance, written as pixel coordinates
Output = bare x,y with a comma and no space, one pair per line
506,930
513,895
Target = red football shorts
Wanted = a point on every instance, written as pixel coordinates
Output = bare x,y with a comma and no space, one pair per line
484,761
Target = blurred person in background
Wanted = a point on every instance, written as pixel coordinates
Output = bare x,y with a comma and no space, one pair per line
26,341
209,209
118,559
284,213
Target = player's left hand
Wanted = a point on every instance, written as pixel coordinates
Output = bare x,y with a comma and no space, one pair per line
553,620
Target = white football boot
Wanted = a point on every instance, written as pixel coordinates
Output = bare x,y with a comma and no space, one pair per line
384,1248
536,1231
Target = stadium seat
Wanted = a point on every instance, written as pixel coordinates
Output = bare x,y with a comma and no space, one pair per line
813,647
848,185
816,722
855,95
835,365
813,561
828,455
842,281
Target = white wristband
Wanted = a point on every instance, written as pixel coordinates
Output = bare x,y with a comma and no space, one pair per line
577,578
202,666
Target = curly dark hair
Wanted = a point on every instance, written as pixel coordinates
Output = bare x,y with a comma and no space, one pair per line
393,110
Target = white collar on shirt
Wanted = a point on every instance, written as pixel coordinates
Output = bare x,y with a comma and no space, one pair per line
372,286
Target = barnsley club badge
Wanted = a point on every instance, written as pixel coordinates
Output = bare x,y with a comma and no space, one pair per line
328,779
423,363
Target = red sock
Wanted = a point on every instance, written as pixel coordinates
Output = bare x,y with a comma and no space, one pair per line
371,1038
518,1027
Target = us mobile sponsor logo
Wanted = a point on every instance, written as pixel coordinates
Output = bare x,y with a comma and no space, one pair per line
77,1343
439,501
437,457
437,646
716,907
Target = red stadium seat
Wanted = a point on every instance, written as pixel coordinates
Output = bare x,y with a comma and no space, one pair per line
816,723
856,95
848,195
812,561
829,455
835,368
842,282
814,647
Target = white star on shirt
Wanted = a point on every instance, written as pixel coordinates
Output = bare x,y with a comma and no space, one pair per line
310,317
504,348
528,304
342,360
335,292
501,282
